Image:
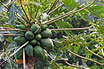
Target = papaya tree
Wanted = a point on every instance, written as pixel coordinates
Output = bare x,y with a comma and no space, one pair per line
51,34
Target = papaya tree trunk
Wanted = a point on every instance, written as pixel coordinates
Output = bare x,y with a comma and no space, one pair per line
30,63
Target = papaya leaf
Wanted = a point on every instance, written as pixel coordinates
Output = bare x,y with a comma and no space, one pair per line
12,9
63,24
1,38
97,11
1,8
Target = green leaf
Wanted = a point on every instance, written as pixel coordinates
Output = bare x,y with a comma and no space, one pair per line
100,29
1,38
97,10
9,39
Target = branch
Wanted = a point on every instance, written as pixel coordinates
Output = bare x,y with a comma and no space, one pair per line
73,65
66,14
19,48
56,8
71,29
94,53
84,57
55,2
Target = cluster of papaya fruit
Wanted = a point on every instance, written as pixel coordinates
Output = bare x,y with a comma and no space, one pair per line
39,41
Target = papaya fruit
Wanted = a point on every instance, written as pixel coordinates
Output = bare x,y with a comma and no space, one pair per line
39,53
22,33
33,42
29,35
34,27
23,27
46,56
19,54
29,50
38,37
43,27
47,43
51,26
19,61
19,40
46,33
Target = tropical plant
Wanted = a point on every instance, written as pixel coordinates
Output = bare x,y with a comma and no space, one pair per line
56,34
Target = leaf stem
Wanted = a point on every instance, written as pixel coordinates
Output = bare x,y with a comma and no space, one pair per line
55,2
73,65
56,8
25,12
84,57
65,29
19,49
66,14
24,61
12,35
10,29
94,53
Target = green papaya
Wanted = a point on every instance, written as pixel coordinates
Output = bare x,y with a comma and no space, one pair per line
51,26
40,53
46,56
21,32
29,50
38,37
43,27
19,54
47,43
29,35
34,27
46,33
33,42
23,27
19,40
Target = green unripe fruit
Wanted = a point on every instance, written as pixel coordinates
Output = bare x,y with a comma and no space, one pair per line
19,54
33,42
29,50
23,27
39,53
38,37
43,27
51,26
19,40
47,43
22,33
29,35
34,27
46,33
